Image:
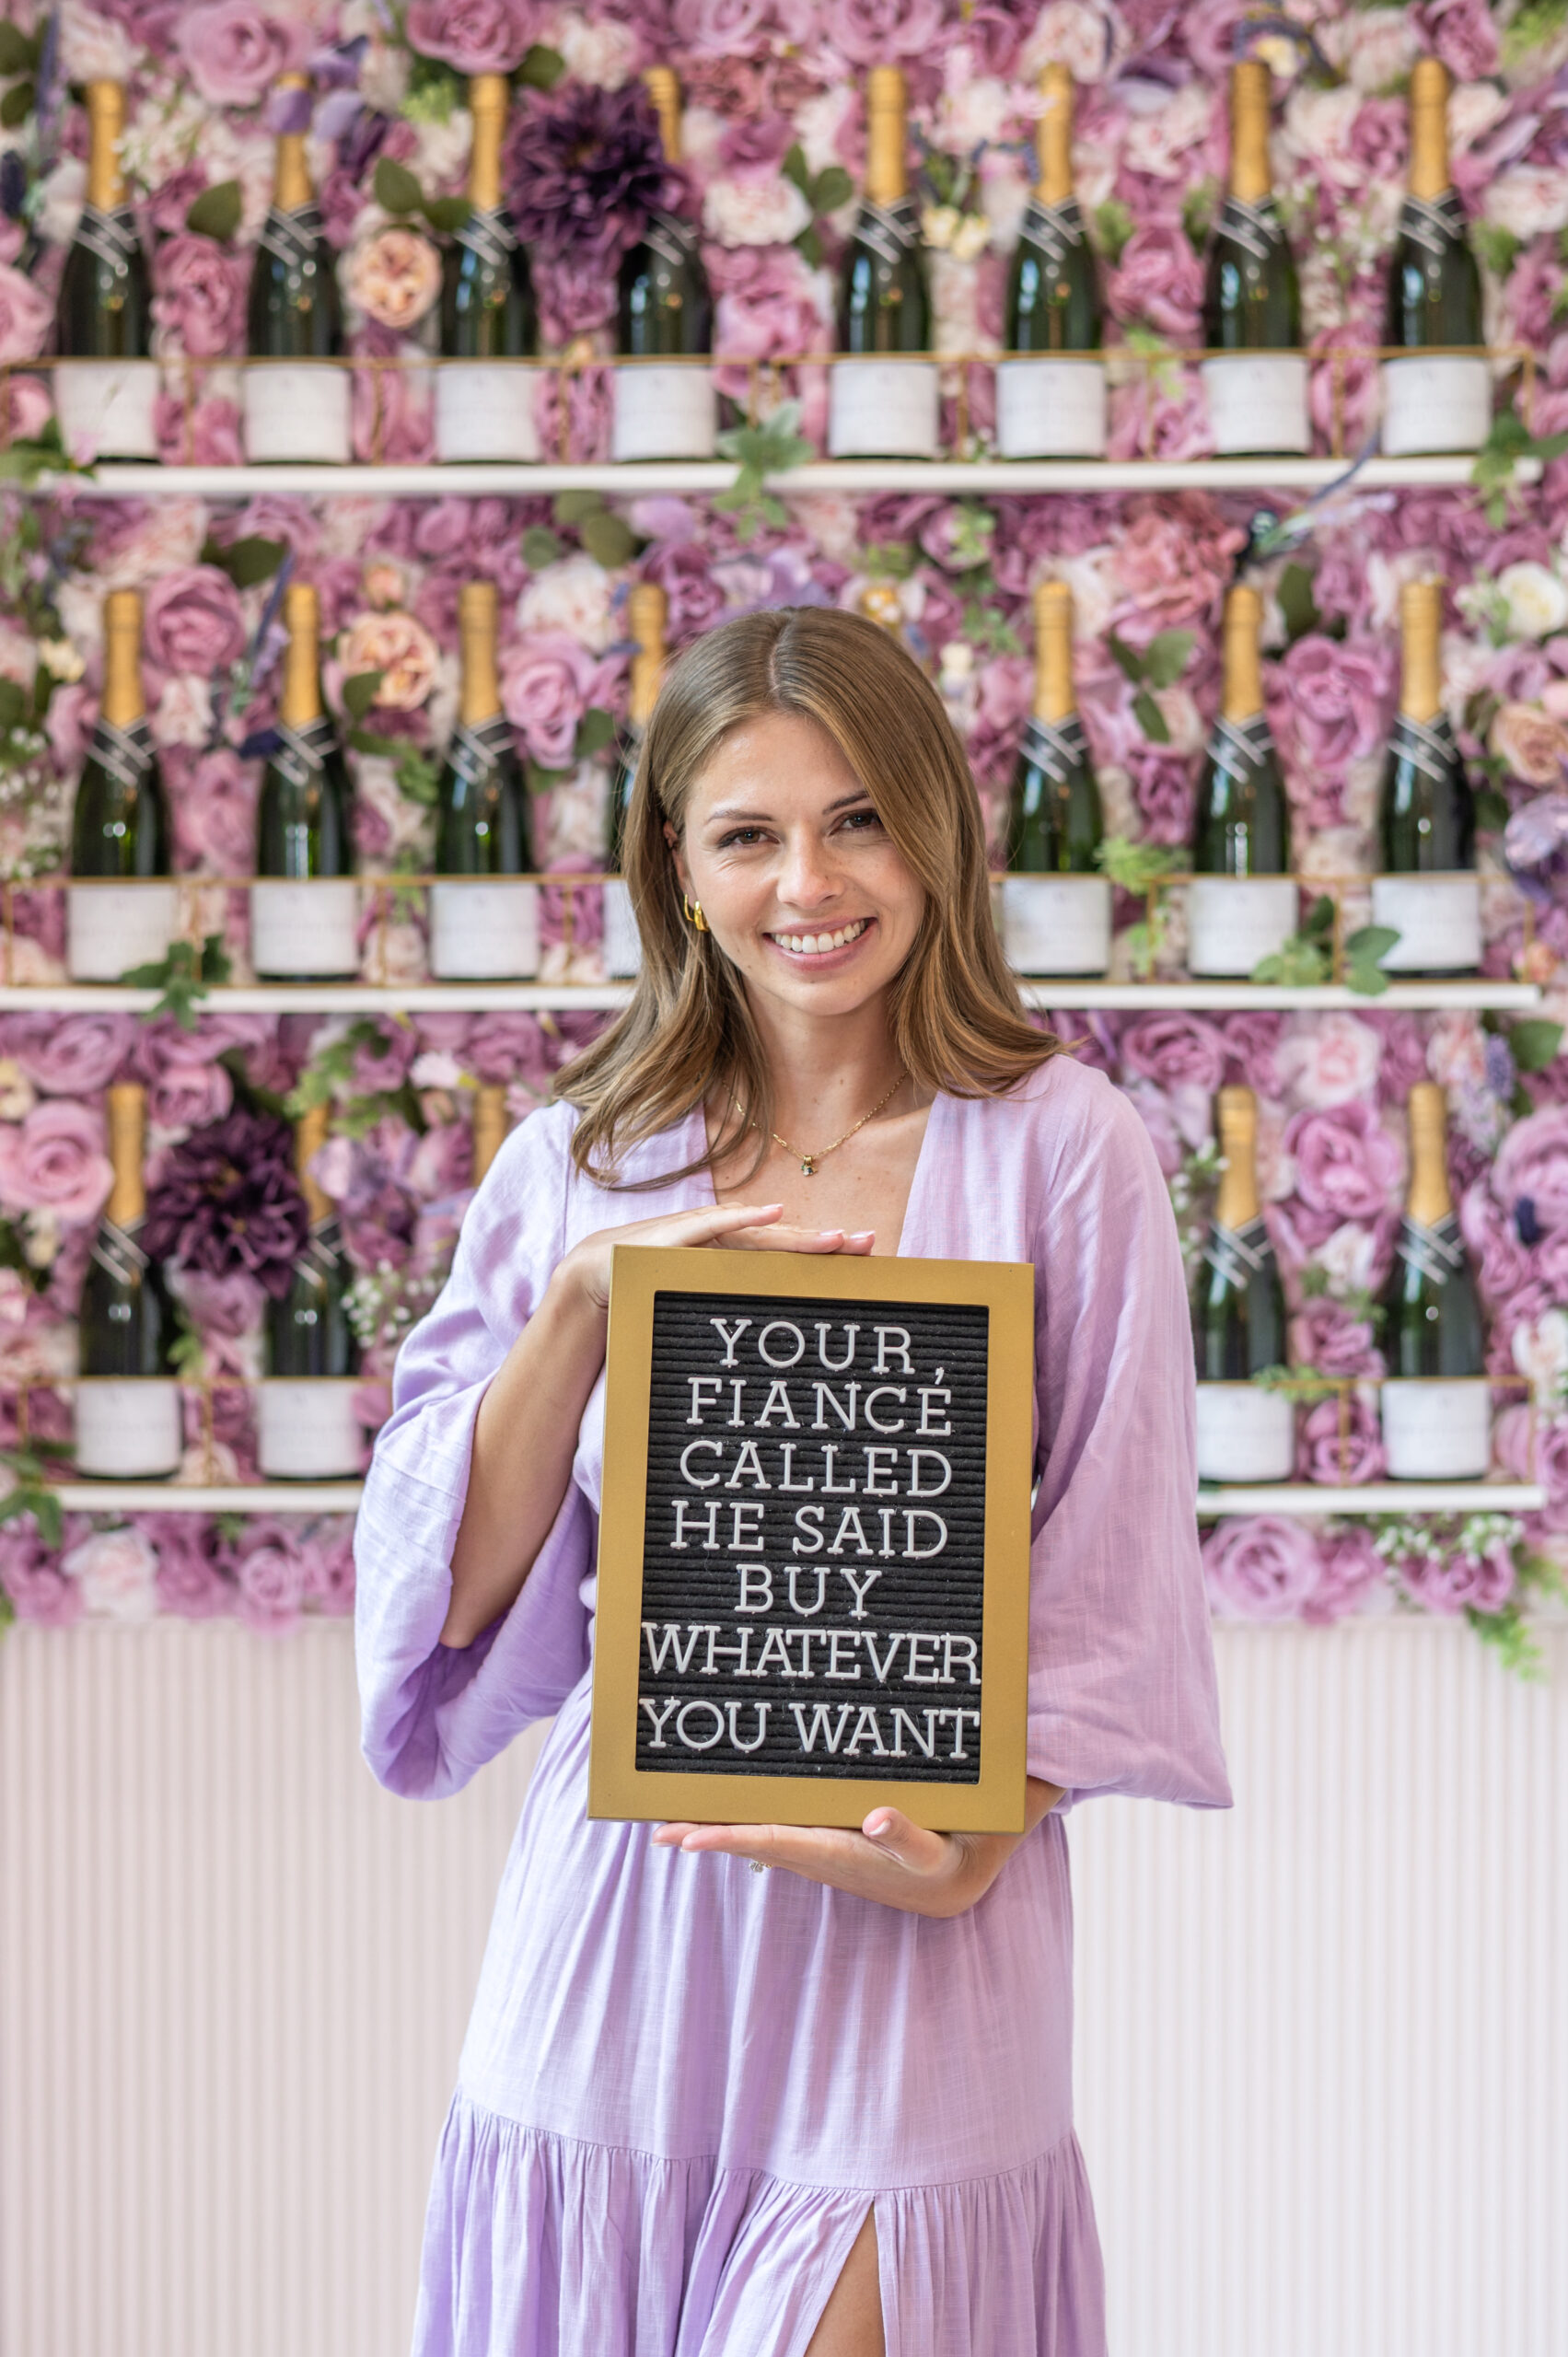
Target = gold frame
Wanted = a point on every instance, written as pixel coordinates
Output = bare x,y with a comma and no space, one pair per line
617,1787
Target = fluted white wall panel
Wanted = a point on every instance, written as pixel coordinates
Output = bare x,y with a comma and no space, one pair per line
1322,2058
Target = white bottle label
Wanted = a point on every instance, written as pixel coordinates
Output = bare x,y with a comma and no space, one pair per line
1233,920
883,409
483,931
1257,401
109,928
1056,925
1437,919
1245,1434
1050,409
128,1428
1439,401
663,411
1436,1431
296,412
622,944
107,408
305,928
307,1430
484,413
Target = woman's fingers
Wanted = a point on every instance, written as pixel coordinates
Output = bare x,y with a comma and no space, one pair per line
914,1847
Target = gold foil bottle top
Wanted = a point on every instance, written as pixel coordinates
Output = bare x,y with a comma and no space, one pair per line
887,176
488,99
127,1133
1421,633
490,1127
648,612
300,701
1250,89
663,86
478,695
310,1137
1429,128
291,174
122,698
1429,1200
1053,651
1242,695
1053,135
1237,1203
105,121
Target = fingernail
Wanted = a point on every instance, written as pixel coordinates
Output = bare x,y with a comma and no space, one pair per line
863,1236
876,1827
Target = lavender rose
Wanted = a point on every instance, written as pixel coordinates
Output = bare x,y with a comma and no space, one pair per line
236,51
1532,1168
32,1575
201,295
868,32
1346,1164
191,621
270,1572
1352,1577
476,36
54,1161
1159,281
1448,1583
1259,1568
184,1096
1324,1455
71,1055
25,314
1336,696
547,683
1177,1050
193,1578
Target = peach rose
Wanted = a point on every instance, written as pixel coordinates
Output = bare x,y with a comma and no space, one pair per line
1534,745
397,647
394,277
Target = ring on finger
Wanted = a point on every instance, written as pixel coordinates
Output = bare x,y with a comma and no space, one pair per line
759,1865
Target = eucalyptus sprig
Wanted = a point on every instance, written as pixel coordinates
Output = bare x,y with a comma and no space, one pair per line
773,447
183,979
31,1492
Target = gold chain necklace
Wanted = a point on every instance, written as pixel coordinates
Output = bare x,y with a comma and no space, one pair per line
809,1162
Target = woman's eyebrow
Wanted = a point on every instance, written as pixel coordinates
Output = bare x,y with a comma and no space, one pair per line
726,813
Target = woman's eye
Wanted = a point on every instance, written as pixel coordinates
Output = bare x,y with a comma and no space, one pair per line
740,835
863,820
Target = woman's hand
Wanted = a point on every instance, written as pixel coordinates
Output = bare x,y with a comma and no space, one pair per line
747,1227
891,1859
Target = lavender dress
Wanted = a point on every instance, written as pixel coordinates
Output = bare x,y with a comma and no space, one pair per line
684,2084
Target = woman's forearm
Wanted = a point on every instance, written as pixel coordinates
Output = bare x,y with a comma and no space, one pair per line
525,1439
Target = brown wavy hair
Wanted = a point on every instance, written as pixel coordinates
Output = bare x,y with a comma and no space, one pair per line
956,1020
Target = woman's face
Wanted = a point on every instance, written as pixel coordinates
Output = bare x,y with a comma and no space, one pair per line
799,883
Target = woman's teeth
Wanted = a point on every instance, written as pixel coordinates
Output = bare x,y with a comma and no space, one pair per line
817,944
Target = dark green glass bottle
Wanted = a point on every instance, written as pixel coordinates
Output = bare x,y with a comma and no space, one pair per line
308,1332
487,297
884,299
293,311
300,931
104,308
1433,284
1426,818
664,304
1432,1321
1239,1321
482,821
1252,300
1243,817
1054,294
1054,822
120,823
128,1418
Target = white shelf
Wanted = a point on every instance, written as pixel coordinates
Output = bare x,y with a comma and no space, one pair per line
177,1497
1373,1497
704,477
431,998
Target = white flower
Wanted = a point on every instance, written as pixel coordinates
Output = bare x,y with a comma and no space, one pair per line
1540,1354
1327,1059
60,659
1364,788
1527,199
1074,33
817,124
1095,592
1163,138
1377,45
1331,852
576,816
602,52
1347,1258
1456,1053
1182,718
444,148
1316,132
377,782
93,48
248,157
1004,193
830,519
957,660
1536,600
395,954
971,237
702,137
770,211
572,596
436,1069
164,133
184,712
973,113
118,1569
937,223
18,658
955,299
347,524
62,194
1473,108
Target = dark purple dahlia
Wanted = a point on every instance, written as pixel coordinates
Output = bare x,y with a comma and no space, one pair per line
228,1202
585,170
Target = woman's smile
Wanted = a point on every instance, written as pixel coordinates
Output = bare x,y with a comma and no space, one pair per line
823,951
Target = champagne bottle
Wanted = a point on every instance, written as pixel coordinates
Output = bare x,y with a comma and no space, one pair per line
491,1125
106,389
1055,904
648,609
483,411
303,928
1437,1410
120,823
1251,301
1241,904
880,407
297,406
1428,893
1245,1432
1441,400
129,1425
664,314
306,1427
1051,403
482,931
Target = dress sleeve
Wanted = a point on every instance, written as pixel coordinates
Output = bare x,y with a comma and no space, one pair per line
1123,1691
433,1714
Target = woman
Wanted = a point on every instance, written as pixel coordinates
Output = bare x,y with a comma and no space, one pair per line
824,2110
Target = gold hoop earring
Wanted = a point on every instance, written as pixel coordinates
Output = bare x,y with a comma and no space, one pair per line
692,913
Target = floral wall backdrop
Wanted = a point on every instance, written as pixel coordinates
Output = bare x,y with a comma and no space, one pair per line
774,146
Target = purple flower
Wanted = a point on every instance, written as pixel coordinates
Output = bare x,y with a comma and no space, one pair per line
1261,1567
70,1055
271,1575
1532,1168
235,50
23,316
548,682
1346,1164
1328,1336
1178,1050
1324,1454
30,1575
586,170
476,36
227,1201
191,621
1448,1583
1351,1573
1159,282
328,1555
194,1576
1335,697
201,295
870,32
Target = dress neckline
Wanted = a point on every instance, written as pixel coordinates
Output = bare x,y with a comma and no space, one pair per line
696,1141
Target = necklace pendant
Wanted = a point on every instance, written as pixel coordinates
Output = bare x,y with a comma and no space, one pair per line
808,1166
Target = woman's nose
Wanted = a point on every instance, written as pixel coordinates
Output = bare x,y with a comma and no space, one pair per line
808,877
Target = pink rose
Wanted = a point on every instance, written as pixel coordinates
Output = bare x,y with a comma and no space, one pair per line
476,36
767,306
24,315
1170,563
392,416
1350,1574
1464,36
1324,1455
214,814
1159,282
201,295
1334,700
870,32
1533,1167
1326,1336
328,1553
1261,1567
1450,1582
25,407
270,1571
721,28
1346,1165
116,1571
394,277
548,682
236,51
504,1047
1251,1044
1327,1059
70,1055
32,1575
192,1576
184,1096
54,1161
1178,1050
396,645
192,621
1531,742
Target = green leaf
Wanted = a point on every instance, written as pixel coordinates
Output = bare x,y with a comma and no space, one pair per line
795,168
1113,226
18,50
608,538
215,213
595,731
1297,603
419,777
448,213
360,692
1534,1043
13,703
396,190
1164,658
369,740
182,978
1136,866
541,68
571,507
1491,809
248,561
831,187
17,104
1319,922
808,246
1366,981
1370,942
1126,658
540,548
1496,246
1150,718
539,780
